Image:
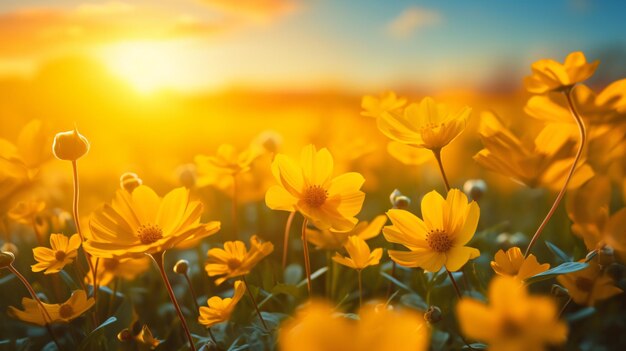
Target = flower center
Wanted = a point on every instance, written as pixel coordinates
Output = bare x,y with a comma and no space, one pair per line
149,233
59,255
315,196
66,311
233,263
510,328
110,264
431,126
584,284
438,240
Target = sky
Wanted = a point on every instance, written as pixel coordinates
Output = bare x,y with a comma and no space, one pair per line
359,45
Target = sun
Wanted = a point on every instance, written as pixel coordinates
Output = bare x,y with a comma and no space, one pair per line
150,66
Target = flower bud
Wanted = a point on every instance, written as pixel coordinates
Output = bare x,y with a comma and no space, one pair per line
270,141
9,247
475,188
187,175
399,201
181,267
519,239
70,146
125,335
6,258
129,181
433,315
559,291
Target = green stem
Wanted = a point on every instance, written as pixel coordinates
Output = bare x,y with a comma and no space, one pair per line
258,311
437,153
307,262
286,239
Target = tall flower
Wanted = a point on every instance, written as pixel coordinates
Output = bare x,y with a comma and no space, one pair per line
65,312
309,188
548,75
512,263
143,223
427,124
439,240
513,320
219,310
235,259
63,251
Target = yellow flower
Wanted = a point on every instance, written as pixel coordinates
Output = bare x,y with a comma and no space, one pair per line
65,312
333,240
543,162
26,211
514,320
143,223
427,124
219,310
588,208
317,327
589,286
227,160
550,75
439,240
235,260
309,188
408,155
360,254
63,251
386,102
513,264
146,338
114,267
70,145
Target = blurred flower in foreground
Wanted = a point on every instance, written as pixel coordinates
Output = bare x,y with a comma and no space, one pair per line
543,162
513,264
317,327
309,188
589,286
360,256
427,124
62,252
439,240
513,320
332,240
235,260
65,312
548,75
386,102
143,223
70,145
111,268
219,310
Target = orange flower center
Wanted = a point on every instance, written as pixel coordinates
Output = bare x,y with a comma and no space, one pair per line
59,255
66,311
149,233
438,240
510,328
584,284
110,264
430,126
233,264
315,196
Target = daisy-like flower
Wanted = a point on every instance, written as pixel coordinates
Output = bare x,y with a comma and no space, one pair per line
228,160
143,223
235,260
513,320
65,312
426,125
110,268
590,285
332,240
548,75
439,240
309,188
359,253
386,102
219,310
62,252
513,264
25,212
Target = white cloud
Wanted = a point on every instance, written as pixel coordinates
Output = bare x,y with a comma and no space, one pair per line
411,20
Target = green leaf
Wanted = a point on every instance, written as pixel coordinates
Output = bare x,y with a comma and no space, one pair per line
95,334
558,252
396,282
564,268
580,314
415,301
475,346
314,275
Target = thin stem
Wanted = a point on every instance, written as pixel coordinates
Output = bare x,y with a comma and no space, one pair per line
158,260
193,293
286,239
212,336
307,262
33,294
77,223
456,287
234,209
583,138
258,311
564,307
437,153
360,288
393,274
